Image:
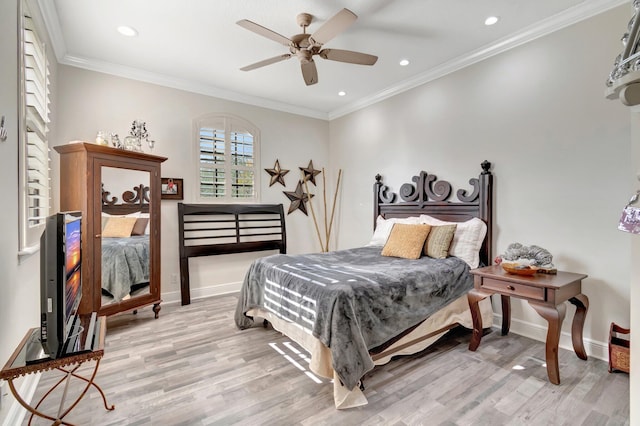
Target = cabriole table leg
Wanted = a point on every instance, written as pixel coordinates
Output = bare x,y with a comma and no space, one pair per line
554,317
474,297
582,306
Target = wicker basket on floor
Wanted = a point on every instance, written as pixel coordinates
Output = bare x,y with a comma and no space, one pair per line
618,349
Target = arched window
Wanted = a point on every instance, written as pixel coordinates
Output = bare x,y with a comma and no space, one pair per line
228,158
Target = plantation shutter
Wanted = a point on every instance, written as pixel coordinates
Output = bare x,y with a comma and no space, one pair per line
212,163
227,159
35,151
242,162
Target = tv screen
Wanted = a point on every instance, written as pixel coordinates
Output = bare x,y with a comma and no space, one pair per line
60,282
73,289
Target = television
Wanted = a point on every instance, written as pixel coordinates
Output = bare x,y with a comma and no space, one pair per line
60,284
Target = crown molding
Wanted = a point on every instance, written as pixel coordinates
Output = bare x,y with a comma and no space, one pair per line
187,85
547,26
52,23
573,15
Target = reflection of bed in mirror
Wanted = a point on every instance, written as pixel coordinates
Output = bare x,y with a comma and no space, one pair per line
125,244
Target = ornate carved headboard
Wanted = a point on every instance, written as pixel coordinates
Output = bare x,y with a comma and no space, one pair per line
427,195
135,200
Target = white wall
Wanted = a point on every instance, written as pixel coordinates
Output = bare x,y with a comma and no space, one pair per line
91,101
14,295
19,285
635,273
9,286
560,150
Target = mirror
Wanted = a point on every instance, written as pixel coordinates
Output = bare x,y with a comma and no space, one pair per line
126,234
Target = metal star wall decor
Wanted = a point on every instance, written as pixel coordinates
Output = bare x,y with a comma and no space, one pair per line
277,174
298,198
310,173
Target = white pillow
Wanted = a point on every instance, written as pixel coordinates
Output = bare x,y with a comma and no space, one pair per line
466,241
383,228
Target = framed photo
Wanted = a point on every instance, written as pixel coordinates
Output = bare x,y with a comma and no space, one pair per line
171,189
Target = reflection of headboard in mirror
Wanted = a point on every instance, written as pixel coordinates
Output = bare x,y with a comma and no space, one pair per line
135,200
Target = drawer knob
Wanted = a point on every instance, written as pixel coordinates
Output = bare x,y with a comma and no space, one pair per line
510,287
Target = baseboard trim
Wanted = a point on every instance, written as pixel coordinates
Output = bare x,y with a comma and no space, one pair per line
16,412
594,348
202,292
538,332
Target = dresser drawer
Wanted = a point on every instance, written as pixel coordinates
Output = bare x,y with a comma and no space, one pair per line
507,288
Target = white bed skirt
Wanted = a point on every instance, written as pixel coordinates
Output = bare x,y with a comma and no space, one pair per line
457,312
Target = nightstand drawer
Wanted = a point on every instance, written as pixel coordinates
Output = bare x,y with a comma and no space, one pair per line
514,289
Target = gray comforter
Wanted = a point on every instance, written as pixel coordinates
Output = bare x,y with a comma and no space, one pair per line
352,300
125,262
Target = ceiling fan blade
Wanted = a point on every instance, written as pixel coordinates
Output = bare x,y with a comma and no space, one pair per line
309,72
266,62
334,26
264,32
348,56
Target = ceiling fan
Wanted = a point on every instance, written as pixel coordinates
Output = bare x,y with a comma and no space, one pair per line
306,46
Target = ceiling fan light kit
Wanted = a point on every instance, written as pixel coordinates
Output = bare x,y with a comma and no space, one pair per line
305,46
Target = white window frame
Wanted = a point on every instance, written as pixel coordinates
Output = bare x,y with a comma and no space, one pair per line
34,158
229,124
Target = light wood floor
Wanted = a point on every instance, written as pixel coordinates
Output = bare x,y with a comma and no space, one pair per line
193,367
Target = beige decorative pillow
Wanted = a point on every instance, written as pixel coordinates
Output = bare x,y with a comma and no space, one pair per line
118,227
406,241
467,239
148,216
140,226
439,241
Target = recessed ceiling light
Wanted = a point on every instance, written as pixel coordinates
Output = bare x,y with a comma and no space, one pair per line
404,62
491,20
342,93
127,31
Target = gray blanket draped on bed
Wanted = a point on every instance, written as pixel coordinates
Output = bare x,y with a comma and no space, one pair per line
125,262
351,300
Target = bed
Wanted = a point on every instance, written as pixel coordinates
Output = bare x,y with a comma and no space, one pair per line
354,309
125,244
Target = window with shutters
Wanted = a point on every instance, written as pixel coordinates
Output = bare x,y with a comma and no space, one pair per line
228,157
34,148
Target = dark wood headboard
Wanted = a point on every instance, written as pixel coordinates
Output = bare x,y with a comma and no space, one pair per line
135,200
428,195
212,229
